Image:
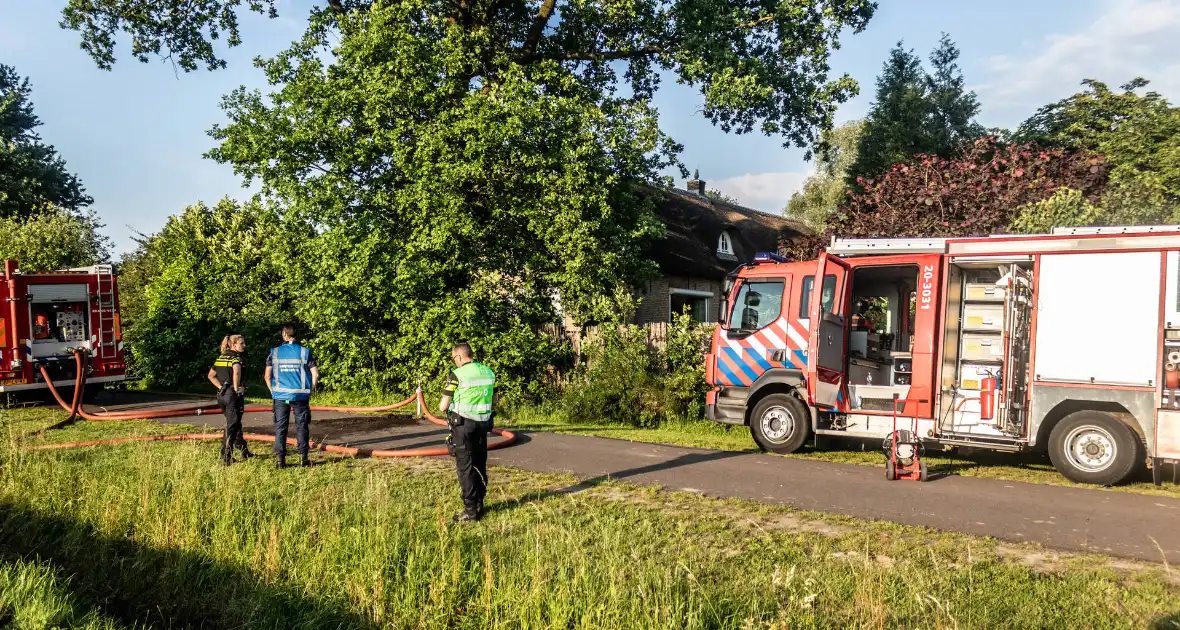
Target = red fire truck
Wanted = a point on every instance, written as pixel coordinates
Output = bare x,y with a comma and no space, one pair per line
47,315
1067,342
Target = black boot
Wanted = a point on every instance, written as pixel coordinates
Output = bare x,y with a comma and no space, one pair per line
465,517
304,461
246,454
280,461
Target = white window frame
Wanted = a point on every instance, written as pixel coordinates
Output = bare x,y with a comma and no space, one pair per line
725,243
708,295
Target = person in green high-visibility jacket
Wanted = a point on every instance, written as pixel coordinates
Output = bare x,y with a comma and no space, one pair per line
468,400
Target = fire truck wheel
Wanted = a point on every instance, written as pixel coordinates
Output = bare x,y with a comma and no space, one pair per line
780,423
91,392
1093,447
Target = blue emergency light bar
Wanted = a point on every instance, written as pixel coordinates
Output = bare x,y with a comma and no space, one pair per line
769,257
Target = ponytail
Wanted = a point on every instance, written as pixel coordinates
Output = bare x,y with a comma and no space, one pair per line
228,342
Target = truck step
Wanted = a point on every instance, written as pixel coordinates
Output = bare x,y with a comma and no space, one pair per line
975,442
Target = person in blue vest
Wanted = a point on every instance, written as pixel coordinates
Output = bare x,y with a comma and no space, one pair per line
291,375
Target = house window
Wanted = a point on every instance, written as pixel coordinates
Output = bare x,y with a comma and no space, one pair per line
695,303
725,243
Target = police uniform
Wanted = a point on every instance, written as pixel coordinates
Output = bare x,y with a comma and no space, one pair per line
290,388
471,388
232,405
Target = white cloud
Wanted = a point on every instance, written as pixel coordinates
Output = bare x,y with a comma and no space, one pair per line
768,192
1128,38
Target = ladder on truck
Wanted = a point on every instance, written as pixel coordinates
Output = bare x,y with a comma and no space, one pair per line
107,337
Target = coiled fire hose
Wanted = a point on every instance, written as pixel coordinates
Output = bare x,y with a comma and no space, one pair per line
75,409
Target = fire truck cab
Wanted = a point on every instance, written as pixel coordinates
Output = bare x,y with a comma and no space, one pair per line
46,316
1066,342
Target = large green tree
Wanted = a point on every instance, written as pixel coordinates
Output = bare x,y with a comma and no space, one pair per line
1139,135
465,163
32,174
825,189
916,112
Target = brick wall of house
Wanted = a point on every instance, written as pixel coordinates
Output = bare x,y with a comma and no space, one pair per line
654,304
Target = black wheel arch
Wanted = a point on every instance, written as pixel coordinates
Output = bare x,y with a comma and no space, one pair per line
778,381
1068,407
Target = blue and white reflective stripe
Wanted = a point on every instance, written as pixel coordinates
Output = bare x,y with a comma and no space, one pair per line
287,390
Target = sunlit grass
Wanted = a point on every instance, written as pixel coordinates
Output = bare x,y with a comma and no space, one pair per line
159,534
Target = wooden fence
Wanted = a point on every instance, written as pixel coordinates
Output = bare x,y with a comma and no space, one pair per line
656,333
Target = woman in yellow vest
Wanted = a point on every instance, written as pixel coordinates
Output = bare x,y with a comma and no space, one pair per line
467,400
226,376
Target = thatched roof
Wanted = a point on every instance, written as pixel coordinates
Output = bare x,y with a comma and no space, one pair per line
694,226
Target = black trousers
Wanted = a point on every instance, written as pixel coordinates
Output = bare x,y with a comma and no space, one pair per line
283,412
232,405
470,440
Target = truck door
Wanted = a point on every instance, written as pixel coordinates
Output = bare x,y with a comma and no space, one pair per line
827,365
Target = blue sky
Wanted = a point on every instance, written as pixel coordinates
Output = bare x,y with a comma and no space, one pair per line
135,135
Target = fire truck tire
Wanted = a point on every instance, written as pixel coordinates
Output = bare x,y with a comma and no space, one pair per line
1094,447
780,423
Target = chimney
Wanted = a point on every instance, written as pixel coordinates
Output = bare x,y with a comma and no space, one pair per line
695,185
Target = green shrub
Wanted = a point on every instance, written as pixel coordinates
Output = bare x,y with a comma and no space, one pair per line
625,380
211,272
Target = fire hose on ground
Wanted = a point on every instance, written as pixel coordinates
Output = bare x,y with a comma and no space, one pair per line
75,410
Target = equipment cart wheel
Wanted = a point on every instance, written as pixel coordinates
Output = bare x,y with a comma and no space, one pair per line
922,471
1157,471
890,471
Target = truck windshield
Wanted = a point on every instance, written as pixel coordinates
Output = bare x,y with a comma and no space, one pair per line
757,305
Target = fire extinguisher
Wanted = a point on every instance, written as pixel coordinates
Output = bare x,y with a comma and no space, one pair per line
987,398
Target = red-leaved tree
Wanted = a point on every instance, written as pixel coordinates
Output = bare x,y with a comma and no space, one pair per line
976,193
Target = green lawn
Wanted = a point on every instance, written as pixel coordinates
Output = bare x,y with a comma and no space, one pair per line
158,534
1029,468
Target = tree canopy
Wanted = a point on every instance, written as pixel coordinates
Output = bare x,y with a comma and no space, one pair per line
759,64
1139,135
916,112
825,189
32,174
980,191
51,239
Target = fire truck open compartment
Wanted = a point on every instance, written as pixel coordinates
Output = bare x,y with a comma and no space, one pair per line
986,344
59,318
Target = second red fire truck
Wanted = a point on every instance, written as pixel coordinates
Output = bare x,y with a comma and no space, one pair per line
46,316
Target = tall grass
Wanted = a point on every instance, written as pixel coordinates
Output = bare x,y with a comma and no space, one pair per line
160,535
